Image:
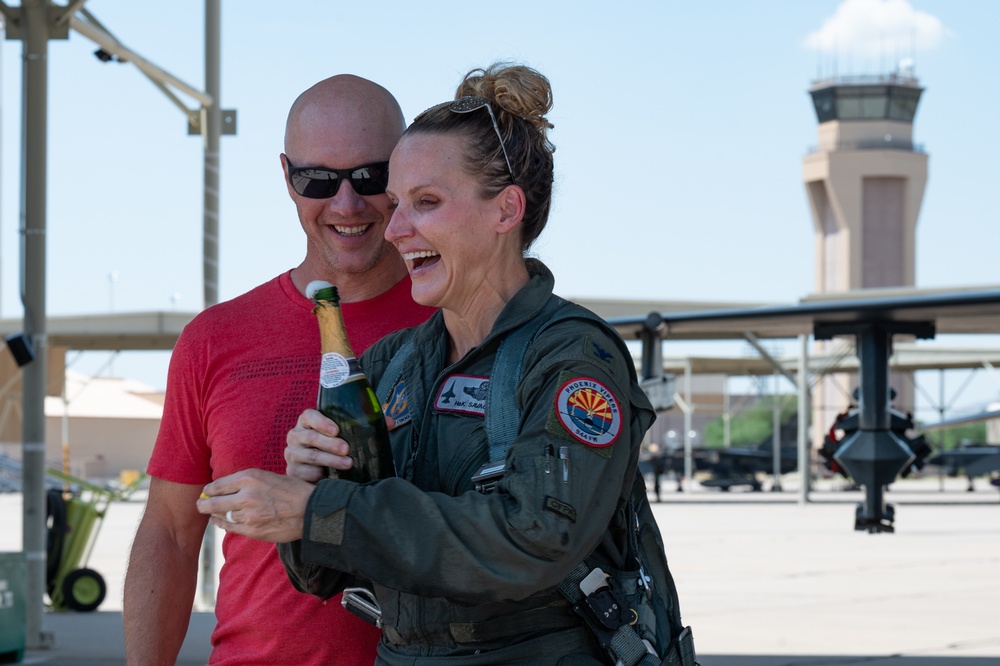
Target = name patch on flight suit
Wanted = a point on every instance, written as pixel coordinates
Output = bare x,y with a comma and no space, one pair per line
465,394
588,411
398,406
560,508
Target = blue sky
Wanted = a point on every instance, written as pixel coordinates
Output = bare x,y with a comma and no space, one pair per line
680,130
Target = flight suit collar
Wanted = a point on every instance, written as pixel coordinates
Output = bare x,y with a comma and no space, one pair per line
526,303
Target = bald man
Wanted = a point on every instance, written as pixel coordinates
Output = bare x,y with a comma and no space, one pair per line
241,373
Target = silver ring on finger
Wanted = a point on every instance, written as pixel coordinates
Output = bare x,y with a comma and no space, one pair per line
229,516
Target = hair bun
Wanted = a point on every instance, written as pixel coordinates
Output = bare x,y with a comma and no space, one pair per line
517,89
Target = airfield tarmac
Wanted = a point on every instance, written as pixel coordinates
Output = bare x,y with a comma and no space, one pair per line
763,580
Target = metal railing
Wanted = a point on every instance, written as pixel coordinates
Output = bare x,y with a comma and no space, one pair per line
893,79
873,144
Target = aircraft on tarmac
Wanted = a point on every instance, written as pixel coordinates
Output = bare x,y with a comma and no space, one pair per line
742,466
971,459
722,467
873,455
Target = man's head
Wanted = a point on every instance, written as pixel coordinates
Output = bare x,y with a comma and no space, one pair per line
338,124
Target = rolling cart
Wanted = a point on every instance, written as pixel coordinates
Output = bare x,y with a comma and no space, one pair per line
75,513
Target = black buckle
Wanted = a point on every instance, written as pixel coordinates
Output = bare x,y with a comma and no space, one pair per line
603,607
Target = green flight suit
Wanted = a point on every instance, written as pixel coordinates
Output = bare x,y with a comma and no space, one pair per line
472,577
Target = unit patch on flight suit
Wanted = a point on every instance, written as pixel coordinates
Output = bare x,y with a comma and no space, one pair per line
398,406
588,412
465,394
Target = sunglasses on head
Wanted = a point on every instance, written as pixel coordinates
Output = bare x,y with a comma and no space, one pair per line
471,103
323,183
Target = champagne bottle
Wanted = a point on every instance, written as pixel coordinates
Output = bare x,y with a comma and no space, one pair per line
345,396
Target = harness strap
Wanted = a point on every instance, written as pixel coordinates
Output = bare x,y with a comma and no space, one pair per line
625,646
503,417
394,370
552,617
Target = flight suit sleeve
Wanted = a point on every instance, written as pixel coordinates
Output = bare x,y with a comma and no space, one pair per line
319,581
565,475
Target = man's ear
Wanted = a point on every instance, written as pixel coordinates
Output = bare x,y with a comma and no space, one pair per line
284,172
512,203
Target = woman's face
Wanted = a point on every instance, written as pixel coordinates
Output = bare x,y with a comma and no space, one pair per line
450,238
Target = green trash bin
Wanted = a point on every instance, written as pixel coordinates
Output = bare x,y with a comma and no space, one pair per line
13,612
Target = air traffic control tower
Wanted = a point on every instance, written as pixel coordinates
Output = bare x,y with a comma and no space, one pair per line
865,182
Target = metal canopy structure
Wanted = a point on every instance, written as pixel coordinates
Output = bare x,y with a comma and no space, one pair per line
873,455
35,23
135,331
906,357
958,311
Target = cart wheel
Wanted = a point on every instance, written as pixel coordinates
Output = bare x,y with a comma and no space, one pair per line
83,590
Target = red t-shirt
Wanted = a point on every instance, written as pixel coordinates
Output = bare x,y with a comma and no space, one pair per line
241,373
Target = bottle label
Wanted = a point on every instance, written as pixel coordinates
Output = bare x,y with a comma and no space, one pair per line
335,369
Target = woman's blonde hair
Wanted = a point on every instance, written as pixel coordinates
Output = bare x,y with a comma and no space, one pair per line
519,97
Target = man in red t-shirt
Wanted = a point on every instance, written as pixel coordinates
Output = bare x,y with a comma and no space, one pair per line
241,373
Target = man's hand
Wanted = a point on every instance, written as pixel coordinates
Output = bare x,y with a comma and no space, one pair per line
258,504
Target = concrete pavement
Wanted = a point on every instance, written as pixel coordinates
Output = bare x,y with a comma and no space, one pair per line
763,580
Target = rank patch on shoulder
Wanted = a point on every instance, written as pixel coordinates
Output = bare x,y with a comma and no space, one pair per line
599,352
398,406
465,394
589,412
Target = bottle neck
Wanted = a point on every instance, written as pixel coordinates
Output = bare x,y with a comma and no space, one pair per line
332,331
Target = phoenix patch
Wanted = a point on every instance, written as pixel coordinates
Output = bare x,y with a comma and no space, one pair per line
589,412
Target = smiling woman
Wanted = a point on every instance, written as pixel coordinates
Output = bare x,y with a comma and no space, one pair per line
471,188
462,250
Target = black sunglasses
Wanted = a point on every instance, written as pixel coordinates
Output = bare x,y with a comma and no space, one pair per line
323,183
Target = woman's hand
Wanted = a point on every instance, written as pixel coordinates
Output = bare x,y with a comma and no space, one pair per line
313,446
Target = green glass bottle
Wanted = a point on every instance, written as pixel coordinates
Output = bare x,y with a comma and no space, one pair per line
345,396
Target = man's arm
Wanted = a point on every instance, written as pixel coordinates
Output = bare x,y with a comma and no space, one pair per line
162,573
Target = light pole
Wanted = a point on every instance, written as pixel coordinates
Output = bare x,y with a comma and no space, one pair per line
35,23
112,279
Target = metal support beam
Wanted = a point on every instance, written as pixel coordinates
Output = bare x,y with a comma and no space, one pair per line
775,438
67,13
688,454
775,363
99,36
36,22
805,466
652,349
211,130
993,371
34,30
11,15
874,455
726,415
659,388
